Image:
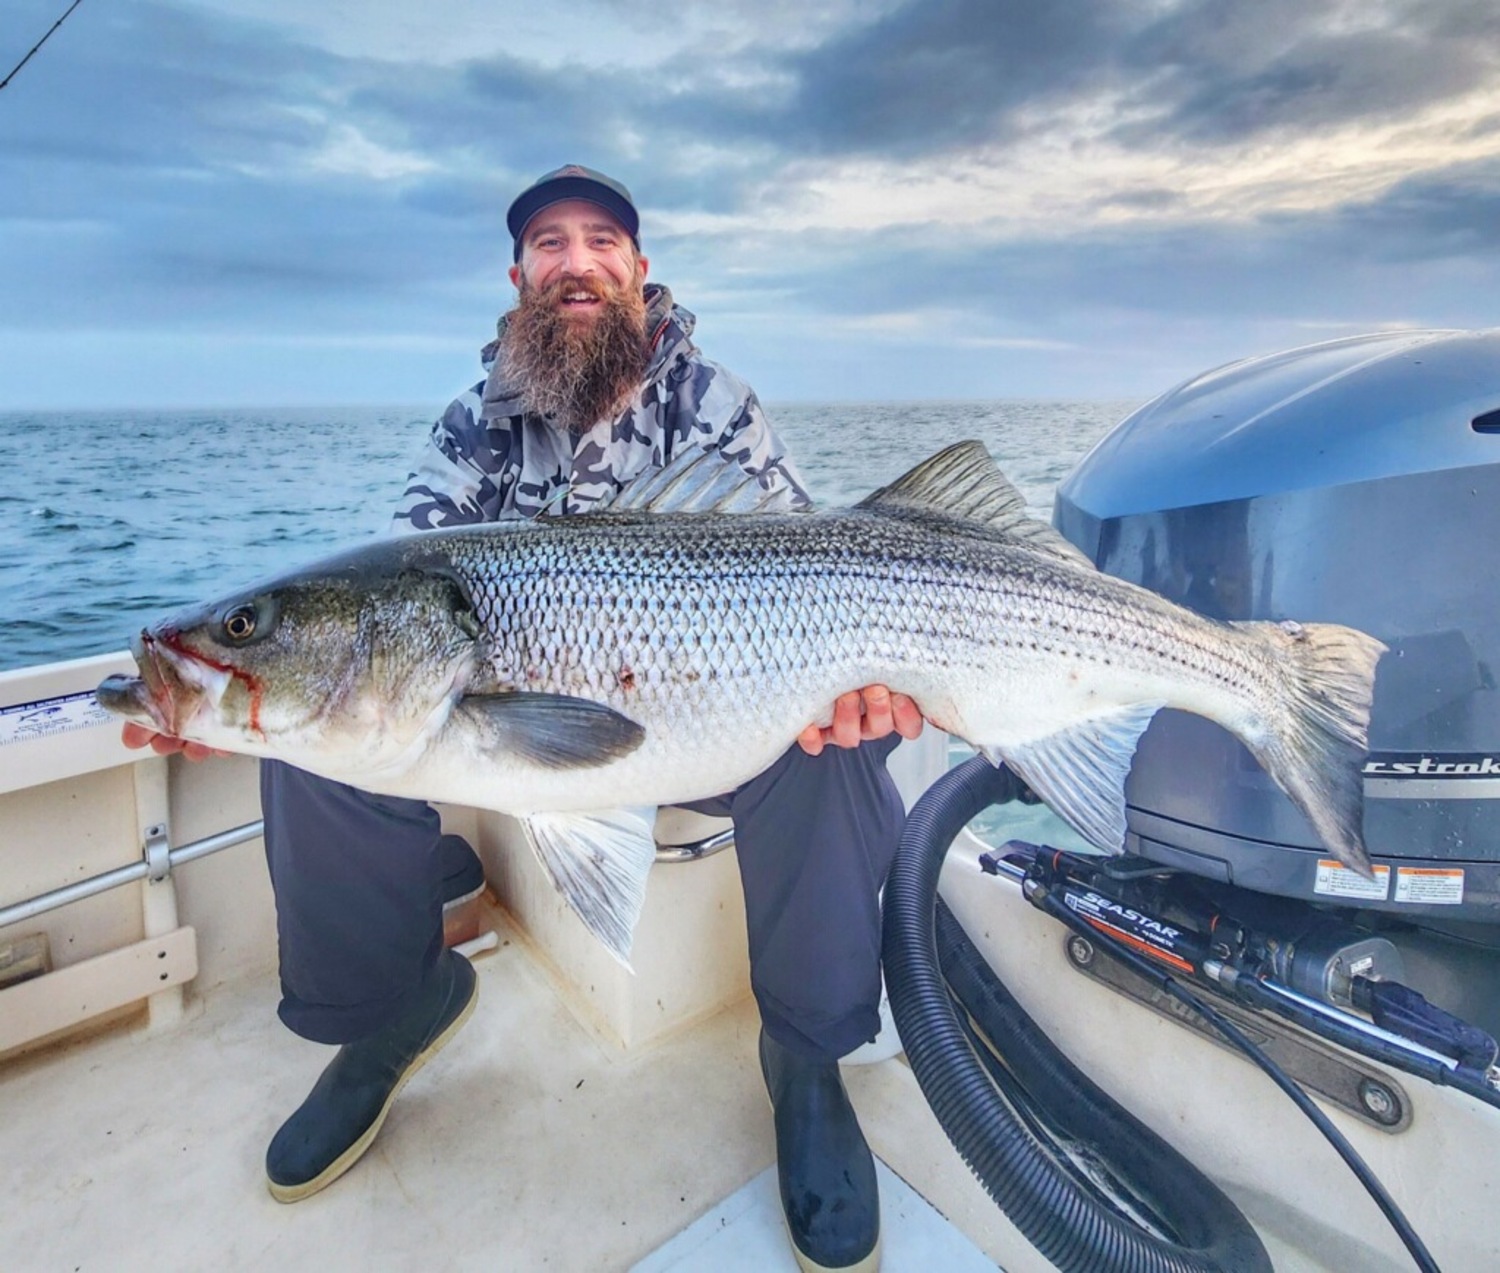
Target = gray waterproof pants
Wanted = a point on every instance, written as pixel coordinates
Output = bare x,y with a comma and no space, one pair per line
359,910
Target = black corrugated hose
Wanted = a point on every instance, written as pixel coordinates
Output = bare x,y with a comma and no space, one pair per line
1062,1215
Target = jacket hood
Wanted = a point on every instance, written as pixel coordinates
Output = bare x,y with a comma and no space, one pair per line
670,328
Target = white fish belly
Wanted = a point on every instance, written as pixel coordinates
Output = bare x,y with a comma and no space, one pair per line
1026,700
706,746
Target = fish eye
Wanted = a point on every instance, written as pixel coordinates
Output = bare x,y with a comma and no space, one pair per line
239,623
248,621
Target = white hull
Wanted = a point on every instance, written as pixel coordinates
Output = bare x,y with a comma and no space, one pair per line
584,1117
1225,1115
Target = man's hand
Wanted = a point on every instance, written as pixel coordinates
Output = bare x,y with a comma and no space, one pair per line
862,715
133,735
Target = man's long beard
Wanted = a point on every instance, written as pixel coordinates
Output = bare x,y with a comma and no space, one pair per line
576,371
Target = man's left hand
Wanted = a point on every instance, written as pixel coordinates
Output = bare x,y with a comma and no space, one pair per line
862,715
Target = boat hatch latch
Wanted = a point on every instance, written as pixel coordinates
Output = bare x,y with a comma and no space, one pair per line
158,853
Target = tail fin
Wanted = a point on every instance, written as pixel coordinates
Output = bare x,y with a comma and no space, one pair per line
1319,731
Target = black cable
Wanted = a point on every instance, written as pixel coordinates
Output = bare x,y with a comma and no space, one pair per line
1431,1069
39,44
1042,1195
1131,1169
1230,1031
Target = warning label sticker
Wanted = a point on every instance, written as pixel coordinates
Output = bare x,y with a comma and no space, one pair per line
1337,880
1433,886
21,722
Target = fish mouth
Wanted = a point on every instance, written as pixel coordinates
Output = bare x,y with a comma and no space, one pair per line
130,697
173,685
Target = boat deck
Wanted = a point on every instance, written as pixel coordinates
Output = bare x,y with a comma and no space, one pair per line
528,1143
584,1119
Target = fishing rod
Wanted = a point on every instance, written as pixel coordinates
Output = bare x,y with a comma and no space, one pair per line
17,67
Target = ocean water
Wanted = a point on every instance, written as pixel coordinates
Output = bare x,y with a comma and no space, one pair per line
110,520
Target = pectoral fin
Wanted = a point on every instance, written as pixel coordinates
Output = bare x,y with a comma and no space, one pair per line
599,862
554,730
1081,772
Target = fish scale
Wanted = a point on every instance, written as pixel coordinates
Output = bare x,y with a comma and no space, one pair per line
648,656
787,605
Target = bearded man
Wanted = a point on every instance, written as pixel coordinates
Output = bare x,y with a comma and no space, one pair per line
593,381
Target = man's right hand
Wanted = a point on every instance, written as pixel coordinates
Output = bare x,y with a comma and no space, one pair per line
133,735
863,716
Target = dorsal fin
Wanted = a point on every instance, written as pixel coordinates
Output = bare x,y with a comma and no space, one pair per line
961,483
700,480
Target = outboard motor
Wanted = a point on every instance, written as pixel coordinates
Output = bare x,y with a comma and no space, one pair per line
1357,482
1353,482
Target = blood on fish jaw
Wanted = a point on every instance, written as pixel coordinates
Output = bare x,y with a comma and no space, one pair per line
186,668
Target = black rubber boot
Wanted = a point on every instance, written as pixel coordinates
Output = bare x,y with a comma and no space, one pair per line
333,1127
827,1174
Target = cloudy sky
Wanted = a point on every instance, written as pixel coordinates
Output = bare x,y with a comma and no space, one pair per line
226,202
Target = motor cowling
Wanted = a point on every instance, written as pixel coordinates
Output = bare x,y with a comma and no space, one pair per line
1355,481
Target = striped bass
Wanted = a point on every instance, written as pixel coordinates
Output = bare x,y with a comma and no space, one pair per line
663,651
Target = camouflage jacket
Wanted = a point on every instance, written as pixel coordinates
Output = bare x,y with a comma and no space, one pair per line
487,459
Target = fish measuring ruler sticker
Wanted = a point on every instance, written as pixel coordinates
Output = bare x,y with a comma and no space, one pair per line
21,722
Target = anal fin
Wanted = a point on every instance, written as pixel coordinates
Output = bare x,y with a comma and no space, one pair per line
599,863
1080,772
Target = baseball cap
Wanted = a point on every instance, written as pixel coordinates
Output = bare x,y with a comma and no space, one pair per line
573,181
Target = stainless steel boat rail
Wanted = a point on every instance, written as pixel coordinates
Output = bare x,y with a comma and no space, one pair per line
706,847
156,864
150,866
